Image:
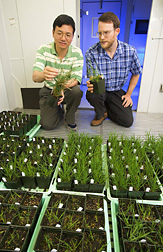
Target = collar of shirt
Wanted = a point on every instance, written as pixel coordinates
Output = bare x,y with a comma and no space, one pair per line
118,51
68,55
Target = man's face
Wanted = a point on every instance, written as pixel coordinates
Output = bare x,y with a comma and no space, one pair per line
107,34
63,36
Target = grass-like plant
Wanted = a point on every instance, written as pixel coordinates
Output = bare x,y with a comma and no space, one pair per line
60,81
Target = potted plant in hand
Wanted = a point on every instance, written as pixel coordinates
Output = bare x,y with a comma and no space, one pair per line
96,78
60,81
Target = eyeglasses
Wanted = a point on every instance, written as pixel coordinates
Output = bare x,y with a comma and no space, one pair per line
105,33
61,34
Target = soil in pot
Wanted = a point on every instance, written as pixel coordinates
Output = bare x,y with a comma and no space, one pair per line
48,239
7,212
15,237
32,199
70,241
76,202
147,212
135,247
24,216
15,197
73,221
127,206
94,202
94,241
58,200
53,217
94,220
3,195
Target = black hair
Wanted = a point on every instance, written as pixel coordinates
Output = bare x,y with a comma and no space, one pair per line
64,19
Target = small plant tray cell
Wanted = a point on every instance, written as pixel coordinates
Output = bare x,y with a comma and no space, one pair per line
15,237
73,221
70,241
76,202
15,197
94,220
94,202
58,200
94,241
53,217
32,199
48,239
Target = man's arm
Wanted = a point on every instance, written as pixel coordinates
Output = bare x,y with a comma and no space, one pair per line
127,97
49,73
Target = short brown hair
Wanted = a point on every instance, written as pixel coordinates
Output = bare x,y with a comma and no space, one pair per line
110,17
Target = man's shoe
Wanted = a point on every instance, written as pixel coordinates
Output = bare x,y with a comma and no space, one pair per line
71,127
96,122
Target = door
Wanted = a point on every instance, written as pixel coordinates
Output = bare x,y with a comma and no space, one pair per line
138,36
90,12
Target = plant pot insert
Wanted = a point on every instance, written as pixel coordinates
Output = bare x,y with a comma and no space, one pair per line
3,230
58,200
53,217
94,220
76,202
25,216
94,202
7,212
70,241
48,239
160,211
148,212
33,199
94,240
15,197
128,207
15,239
73,221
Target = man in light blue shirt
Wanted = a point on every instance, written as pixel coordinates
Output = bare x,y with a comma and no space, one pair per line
114,60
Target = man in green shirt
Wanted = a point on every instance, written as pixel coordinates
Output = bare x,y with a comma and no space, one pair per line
55,59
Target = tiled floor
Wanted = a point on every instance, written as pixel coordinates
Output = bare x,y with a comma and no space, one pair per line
143,123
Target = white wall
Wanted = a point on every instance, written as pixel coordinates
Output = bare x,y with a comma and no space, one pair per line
150,97
4,105
27,25
6,86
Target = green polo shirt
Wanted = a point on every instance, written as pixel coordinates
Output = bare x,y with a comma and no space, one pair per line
47,56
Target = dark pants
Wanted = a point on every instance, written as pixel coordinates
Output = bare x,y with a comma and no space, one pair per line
111,103
52,114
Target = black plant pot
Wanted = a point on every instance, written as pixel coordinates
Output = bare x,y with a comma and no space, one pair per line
81,187
29,182
43,182
15,237
52,235
98,86
14,184
96,188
